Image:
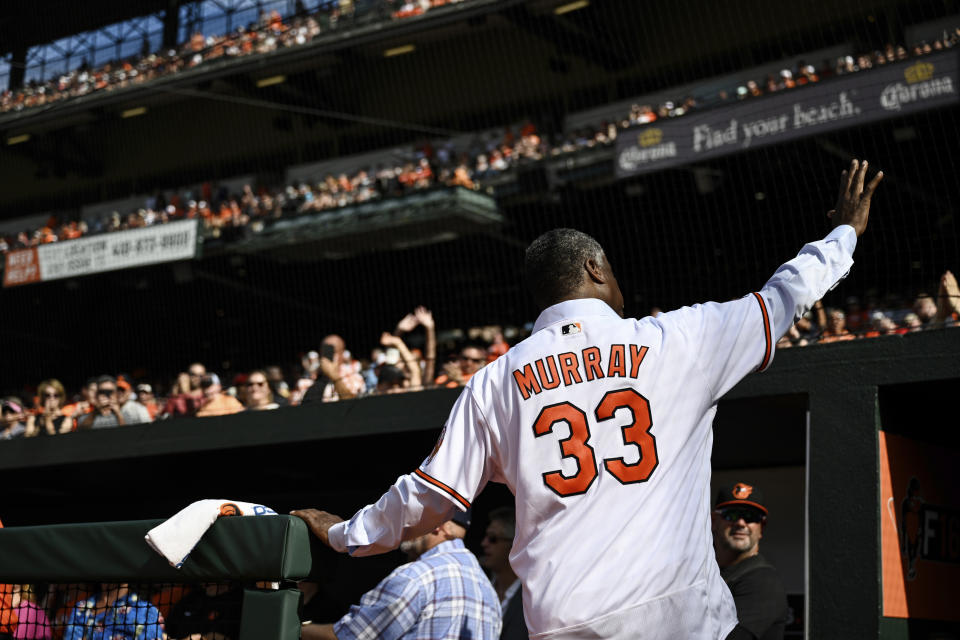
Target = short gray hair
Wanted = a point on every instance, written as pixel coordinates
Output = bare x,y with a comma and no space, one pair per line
553,264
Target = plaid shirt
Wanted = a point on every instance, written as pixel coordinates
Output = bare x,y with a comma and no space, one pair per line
442,595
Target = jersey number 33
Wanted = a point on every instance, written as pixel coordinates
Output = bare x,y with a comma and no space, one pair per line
637,432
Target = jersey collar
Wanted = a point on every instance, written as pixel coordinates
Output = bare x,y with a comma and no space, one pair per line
573,308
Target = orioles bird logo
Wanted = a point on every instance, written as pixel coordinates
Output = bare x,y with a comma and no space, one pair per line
436,447
742,491
229,509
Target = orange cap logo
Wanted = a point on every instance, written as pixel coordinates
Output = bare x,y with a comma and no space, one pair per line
436,447
230,509
742,491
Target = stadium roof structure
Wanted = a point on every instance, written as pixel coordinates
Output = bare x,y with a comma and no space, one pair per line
24,23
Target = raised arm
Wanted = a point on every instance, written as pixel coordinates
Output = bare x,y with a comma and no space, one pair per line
390,340
425,318
740,335
799,284
948,299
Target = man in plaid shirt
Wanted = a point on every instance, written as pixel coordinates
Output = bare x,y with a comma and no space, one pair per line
442,594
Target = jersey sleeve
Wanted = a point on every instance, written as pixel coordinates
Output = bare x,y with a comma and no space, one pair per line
459,465
732,339
454,472
406,510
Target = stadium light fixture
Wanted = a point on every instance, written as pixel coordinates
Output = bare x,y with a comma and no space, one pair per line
23,137
571,6
398,51
269,82
133,113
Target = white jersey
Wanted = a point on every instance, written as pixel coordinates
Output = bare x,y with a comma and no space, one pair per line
602,429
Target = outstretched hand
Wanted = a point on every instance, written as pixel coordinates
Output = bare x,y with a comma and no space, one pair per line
318,521
387,339
407,323
424,316
853,203
949,295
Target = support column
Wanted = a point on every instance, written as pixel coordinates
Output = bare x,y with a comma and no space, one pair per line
171,24
843,528
18,68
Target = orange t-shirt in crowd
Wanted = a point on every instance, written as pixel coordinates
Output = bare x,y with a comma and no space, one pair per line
443,380
152,409
836,337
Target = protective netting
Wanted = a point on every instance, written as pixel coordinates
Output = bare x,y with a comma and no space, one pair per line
343,163
93,611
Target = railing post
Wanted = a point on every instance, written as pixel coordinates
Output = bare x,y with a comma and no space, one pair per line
270,614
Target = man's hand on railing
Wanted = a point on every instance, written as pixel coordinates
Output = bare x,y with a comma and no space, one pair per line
318,521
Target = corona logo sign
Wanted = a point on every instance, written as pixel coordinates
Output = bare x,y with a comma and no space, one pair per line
918,72
650,137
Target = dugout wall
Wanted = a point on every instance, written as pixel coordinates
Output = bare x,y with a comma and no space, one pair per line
856,397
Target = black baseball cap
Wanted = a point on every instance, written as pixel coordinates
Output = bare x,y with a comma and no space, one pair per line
462,518
740,493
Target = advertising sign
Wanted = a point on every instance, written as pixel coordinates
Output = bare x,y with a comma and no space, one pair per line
850,100
106,252
919,529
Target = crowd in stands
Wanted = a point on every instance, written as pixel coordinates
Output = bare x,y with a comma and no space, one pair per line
334,373
800,74
249,210
429,166
108,400
270,33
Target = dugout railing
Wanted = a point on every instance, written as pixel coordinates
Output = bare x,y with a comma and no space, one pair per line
268,549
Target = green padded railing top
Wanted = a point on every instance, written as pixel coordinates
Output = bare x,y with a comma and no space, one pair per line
241,548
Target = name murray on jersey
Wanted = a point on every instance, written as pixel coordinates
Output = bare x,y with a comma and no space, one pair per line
575,367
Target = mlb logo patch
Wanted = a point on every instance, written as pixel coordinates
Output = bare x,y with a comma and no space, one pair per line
571,329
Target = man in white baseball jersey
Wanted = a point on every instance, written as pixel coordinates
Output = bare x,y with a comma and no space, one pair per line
601,427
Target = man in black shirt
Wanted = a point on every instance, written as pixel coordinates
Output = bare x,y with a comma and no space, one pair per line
739,517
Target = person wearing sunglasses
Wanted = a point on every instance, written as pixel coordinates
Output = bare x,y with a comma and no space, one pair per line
739,517
108,412
258,395
13,422
496,544
457,373
50,418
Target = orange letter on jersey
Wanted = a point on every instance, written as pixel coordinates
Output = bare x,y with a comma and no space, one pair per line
554,380
591,362
526,381
618,364
570,364
636,357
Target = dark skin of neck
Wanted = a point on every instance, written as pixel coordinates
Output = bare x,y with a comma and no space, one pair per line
598,282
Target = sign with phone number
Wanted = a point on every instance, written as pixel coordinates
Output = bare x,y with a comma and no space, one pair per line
108,252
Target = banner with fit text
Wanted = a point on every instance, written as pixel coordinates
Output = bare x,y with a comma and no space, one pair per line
107,252
919,528
868,96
